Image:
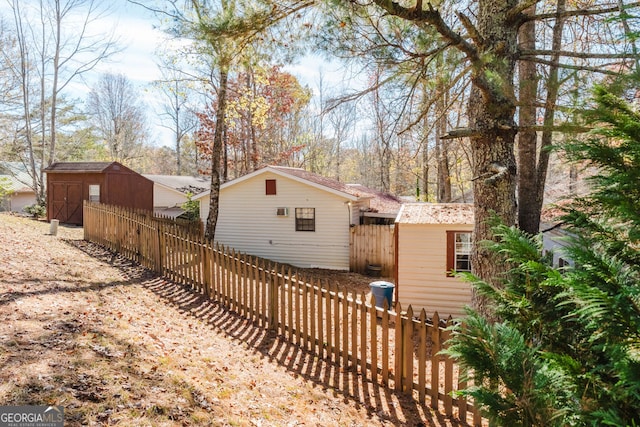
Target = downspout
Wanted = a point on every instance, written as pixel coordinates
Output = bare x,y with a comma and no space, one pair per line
396,232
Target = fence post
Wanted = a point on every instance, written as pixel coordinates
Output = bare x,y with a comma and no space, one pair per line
407,350
435,360
273,298
399,326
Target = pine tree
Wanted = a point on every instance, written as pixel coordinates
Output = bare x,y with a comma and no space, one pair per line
566,350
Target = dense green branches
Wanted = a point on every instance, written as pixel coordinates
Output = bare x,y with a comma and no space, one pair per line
566,348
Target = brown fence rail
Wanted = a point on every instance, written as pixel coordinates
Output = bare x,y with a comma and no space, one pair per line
398,350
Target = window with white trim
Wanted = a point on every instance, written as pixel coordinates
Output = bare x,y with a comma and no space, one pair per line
459,245
94,193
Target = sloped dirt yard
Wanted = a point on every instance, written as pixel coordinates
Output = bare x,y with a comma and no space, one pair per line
115,345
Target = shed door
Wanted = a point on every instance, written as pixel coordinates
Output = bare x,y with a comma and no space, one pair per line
66,202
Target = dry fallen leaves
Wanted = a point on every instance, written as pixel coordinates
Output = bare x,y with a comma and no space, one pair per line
104,338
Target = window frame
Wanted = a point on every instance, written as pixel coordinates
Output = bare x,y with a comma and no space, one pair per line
452,251
303,223
94,186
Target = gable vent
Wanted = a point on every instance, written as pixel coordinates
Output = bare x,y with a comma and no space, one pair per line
282,211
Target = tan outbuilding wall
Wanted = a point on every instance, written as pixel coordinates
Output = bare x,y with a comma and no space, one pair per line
422,269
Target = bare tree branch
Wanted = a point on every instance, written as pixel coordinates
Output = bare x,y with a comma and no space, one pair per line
580,12
599,70
569,54
433,18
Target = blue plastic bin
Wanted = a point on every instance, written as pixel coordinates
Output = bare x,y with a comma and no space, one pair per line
382,290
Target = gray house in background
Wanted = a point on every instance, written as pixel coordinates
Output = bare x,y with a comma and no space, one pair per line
555,237
17,179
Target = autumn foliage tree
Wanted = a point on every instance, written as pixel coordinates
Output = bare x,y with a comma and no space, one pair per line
230,34
263,121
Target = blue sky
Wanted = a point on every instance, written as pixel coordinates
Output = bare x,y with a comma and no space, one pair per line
134,27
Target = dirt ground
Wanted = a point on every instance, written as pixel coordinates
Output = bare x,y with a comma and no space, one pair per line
115,345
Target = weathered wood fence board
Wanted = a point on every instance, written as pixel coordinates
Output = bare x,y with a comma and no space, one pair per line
372,245
394,348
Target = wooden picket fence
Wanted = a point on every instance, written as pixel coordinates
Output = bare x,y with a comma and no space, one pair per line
394,348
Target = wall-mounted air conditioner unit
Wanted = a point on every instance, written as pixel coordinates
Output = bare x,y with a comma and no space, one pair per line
282,211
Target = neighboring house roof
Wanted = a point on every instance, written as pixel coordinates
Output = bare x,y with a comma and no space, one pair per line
172,213
183,184
14,185
380,201
15,174
320,180
79,167
436,213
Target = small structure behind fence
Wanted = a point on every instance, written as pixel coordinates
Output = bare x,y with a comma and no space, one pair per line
398,350
372,245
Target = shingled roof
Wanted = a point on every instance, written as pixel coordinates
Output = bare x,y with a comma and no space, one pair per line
436,213
15,177
182,183
79,167
380,201
321,180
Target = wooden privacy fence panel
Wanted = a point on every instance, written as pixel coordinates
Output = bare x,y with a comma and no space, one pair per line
372,245
396,349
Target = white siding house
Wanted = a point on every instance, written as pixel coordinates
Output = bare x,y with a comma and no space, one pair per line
16,179
290,216
432,240
555,240
170,192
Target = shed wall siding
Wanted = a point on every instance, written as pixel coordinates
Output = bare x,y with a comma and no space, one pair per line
118,186
248,222
422,263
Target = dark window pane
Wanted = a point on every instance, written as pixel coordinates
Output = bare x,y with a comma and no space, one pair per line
305,219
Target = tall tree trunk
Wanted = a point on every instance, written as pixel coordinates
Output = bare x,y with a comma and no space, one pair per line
216,154
24,74
54,88
527,136
255,152
43,103
553,86
573,180
178,130
442,152
425,170
491,118
425,148
534,163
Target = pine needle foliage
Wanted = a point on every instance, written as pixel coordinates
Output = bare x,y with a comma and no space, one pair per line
566,350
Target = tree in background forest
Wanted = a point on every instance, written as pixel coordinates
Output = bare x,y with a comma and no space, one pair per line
228,33
264,122
52,43
118,117
178,113
408,37
567,348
